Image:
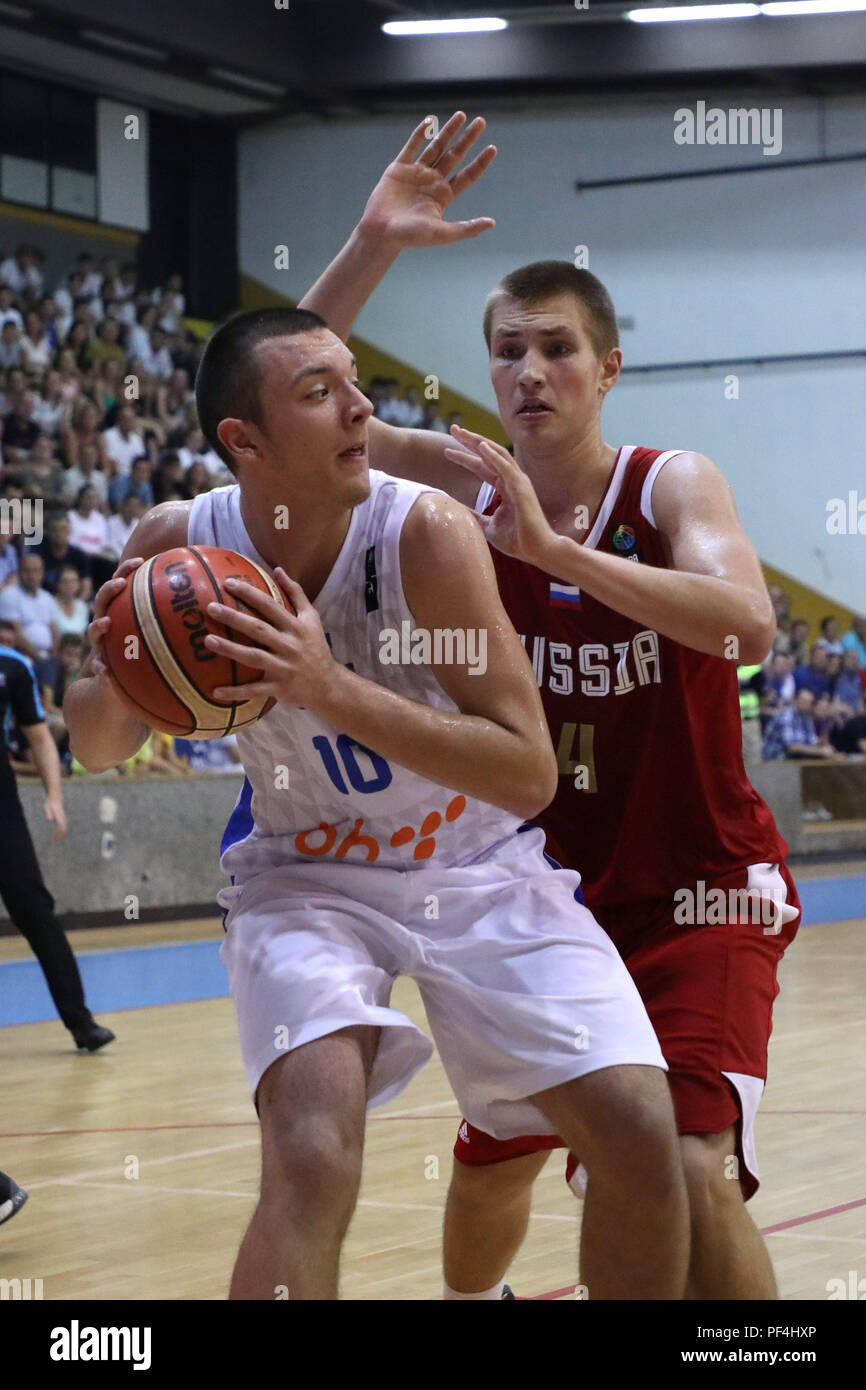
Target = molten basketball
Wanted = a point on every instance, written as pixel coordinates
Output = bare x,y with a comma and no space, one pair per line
155,649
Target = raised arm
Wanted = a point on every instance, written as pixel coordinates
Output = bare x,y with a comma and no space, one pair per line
405,210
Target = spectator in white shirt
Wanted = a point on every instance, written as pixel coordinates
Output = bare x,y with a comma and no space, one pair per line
10,345
92,280
830,638
127,281
86,472
138,342
16,271
159,364
73,614
8,309
123,443
32,609
88,527
67,295
8,555
53,411
197,450
122,524
36,350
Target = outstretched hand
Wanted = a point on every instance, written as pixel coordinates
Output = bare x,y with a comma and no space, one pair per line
518,527
408,204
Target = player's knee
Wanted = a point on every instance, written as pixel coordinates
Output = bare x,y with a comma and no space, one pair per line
482,1185
711,1168
317,1157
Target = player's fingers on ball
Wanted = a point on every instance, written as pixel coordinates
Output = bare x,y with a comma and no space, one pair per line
259,629
127,566
293,589
254,598
247,656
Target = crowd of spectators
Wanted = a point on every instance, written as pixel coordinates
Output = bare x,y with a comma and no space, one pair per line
405,407
810,693
97,423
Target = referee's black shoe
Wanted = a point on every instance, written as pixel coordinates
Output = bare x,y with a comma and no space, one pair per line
91,1038
12,1198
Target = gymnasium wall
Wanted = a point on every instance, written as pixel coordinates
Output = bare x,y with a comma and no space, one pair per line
736,265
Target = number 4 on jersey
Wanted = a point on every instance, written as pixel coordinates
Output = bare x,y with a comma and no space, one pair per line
580,768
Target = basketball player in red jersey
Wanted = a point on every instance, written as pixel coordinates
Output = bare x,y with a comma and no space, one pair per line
637,667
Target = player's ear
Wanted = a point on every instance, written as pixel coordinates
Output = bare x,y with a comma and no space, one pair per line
235,436
610,370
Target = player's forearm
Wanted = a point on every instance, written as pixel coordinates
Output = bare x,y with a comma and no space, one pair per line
102,732
511,768
343,289
697,610
47,761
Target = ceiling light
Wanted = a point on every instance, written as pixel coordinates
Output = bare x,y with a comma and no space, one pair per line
670,13
806,7
255,84
409,27
139,50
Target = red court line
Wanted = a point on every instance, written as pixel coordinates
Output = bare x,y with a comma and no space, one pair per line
205,1124
765,1231
813,1216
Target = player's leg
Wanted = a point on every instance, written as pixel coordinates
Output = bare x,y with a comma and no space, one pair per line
312,1107
537,1020
729,1259
486,1218
709,992
635,1230
31,909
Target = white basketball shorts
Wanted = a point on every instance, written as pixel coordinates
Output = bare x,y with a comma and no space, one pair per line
523,989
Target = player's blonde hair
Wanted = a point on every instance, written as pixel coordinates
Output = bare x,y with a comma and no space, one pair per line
540,280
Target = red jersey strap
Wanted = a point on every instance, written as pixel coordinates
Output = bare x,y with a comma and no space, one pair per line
634,473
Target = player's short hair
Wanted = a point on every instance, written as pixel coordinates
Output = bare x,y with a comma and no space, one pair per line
542,279
228,379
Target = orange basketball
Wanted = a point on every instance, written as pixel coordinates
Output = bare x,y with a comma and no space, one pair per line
155,650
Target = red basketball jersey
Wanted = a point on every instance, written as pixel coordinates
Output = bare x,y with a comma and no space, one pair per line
653,794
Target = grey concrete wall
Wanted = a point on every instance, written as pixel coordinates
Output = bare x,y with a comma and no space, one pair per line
158,840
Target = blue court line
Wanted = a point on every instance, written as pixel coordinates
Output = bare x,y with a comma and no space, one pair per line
140,976
832,899
122,979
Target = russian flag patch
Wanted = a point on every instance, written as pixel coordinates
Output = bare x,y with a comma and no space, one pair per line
564,595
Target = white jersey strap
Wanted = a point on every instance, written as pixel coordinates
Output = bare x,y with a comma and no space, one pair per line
646,492
486,494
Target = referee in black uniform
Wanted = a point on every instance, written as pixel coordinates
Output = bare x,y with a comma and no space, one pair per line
27,900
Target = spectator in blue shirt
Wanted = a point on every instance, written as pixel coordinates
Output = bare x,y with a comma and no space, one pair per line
855,640
848,688
792,734
814,677
135,484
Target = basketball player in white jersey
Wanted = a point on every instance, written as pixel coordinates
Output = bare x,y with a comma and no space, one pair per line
380,832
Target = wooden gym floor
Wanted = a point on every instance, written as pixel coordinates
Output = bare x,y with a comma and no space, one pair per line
141,1161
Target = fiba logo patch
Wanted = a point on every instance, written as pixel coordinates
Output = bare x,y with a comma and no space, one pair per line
624,539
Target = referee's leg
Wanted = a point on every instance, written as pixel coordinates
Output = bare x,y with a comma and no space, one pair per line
31,909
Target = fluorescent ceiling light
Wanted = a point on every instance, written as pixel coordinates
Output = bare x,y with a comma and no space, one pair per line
670,13
813,6
255,84
409,27
139,50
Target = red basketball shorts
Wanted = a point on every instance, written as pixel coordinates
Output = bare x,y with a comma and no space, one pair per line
708,986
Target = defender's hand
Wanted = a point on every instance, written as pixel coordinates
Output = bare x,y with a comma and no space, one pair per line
518,527
408,203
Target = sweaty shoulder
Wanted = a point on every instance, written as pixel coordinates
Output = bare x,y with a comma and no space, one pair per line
162,528
439,526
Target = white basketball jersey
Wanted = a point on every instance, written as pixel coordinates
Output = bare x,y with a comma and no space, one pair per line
313,793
